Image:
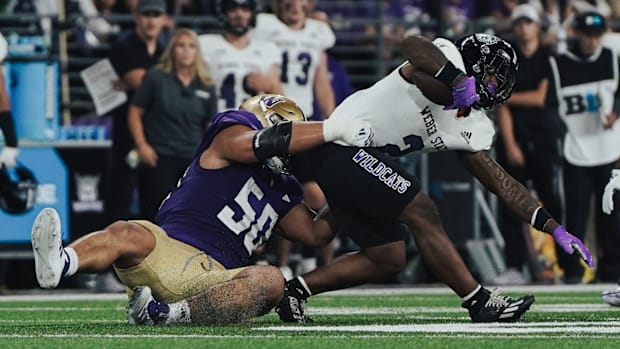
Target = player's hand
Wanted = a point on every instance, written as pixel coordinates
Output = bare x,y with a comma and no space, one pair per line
147,154
464,94
571,243
610,188
8,156
358,133
256,81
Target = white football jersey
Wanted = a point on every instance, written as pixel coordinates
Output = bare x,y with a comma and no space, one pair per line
301,54
405,121
230,65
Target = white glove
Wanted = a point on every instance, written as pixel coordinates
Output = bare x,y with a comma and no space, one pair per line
608,194
8,156
358,133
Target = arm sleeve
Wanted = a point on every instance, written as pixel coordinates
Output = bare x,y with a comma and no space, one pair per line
8,129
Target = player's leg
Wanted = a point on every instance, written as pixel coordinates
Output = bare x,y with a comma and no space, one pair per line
437,251
443,259
122,242
252,292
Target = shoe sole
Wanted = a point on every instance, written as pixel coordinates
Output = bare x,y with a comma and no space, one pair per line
611,298
47,248
137,304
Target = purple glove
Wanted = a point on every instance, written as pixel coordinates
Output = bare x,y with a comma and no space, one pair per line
570,243
464,94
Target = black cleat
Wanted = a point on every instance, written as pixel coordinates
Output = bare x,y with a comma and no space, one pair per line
292,308
493,307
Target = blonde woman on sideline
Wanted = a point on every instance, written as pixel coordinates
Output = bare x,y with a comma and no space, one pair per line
167,116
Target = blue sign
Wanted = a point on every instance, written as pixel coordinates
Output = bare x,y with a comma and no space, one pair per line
52,191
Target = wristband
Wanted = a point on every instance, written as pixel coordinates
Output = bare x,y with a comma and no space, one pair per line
540,218
448,73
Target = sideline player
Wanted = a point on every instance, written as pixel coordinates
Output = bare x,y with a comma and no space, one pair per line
226,204
302,42
241,66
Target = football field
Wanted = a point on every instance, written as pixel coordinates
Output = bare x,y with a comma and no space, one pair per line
419,317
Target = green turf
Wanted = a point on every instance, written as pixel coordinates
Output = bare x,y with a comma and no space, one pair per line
102,324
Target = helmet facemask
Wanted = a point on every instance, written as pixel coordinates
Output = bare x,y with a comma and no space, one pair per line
493,63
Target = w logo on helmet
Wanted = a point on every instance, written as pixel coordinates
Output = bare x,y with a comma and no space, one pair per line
271,100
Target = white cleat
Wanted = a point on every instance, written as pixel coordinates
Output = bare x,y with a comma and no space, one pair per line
47,248
138,313
611,297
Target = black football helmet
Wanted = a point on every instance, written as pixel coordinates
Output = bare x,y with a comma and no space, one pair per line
222,8
18,189
489,57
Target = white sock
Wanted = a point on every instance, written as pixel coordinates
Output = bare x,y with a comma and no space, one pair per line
304,284
472,293
179,313
71,261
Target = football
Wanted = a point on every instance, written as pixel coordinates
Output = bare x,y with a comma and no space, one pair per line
433,89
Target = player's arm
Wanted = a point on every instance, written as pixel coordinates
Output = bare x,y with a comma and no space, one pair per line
425,57
506,128
323,88
300,225
273,76
239,143
530,98
519,200
132,79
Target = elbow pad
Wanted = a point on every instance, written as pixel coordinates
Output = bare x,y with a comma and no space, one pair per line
272,141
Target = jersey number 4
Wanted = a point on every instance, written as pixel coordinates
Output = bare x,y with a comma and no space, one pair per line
256,227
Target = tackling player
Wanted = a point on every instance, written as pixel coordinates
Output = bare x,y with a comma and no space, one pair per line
242,67
226,204
370,194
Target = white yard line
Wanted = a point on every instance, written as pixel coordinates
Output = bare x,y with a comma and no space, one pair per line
554,327
357,291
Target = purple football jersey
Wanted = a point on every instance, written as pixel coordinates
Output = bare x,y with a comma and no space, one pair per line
227,212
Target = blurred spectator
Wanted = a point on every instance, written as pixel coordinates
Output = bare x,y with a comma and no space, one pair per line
349,20
417,17
387,20
457,15
242,67
501,11
586,82
100,28
530,140
303,42
167,117
131,56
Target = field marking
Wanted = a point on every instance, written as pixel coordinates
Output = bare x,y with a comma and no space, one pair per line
595,327
352,335
542,308
71,295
